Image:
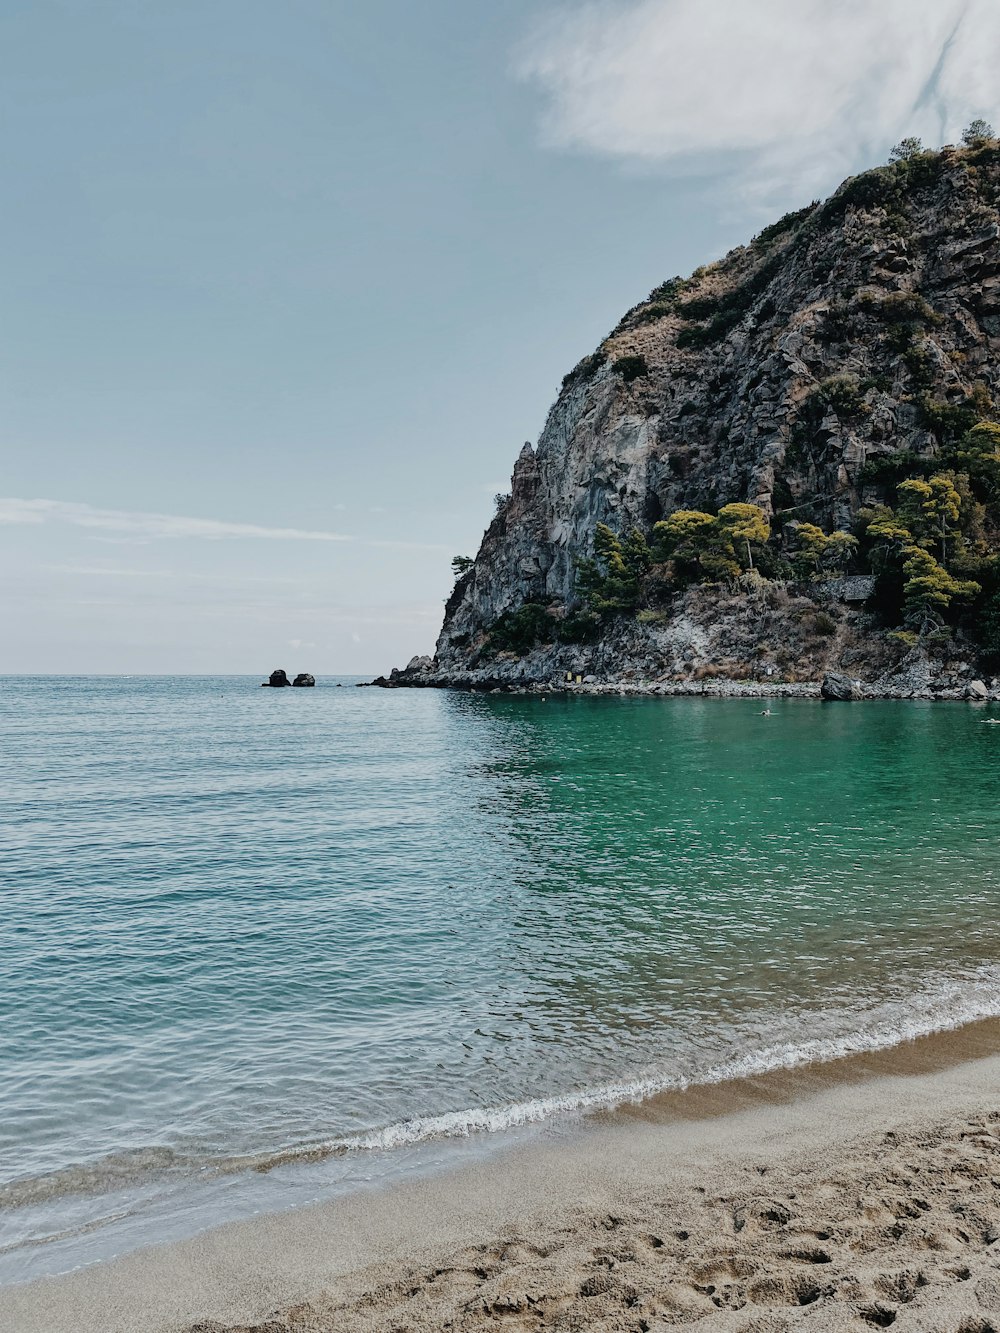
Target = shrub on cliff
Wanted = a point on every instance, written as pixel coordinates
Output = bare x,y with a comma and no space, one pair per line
725,311
579,627
519,631
986,619
844,395
948,421
584,370
610,581
630,367
977,454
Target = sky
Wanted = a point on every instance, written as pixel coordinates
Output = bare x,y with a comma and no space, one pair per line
286,287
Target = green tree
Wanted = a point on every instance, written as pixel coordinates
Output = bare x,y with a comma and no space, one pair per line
695,546
716,546
745,525
978,455
810,543
683,527
883,527
929,589
977,132
840,550
930,509
518,631
987,612
818,550
906,148
883,540
611,580
461,564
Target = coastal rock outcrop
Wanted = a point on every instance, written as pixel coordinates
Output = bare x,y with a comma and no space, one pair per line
850,346
838,687
304,678
277,679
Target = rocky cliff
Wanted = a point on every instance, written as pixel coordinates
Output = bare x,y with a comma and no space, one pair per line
848,346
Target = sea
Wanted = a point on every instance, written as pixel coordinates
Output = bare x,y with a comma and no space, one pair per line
260,947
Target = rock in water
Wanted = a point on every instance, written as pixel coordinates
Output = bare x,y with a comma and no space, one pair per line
836,686
976,690
278,678
304,678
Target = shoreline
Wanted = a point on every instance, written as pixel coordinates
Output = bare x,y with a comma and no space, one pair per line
561,1228
711,688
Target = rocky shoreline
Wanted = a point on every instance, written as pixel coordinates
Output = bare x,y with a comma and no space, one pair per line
422,673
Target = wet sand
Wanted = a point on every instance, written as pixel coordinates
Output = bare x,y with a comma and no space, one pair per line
861,1194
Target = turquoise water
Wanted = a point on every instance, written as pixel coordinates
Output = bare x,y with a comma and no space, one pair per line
262,943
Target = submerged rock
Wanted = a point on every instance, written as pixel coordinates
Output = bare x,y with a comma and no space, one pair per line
304,678
277,678
838,687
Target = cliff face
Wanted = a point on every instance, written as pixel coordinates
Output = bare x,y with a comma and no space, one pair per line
859,329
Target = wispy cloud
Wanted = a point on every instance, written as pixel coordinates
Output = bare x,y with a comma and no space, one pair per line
792,94
148,526
168,575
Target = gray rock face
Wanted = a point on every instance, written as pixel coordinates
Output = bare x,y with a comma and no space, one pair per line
423,663
780,375
304,678
838,687
976,690
277,679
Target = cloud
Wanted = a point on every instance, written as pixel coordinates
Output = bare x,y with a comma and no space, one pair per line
151,525
170,575
791,94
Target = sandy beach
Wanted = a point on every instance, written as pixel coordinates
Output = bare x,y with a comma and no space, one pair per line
849,1197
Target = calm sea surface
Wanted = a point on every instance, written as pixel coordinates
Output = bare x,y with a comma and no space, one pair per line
262,944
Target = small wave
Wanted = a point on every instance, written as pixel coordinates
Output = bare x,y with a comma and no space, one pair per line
67,1233
114,1171
946,1004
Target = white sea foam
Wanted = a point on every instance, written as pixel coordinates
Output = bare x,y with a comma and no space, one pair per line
944,1004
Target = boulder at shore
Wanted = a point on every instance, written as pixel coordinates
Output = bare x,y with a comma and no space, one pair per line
276,679
836,686
304,678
